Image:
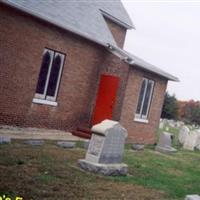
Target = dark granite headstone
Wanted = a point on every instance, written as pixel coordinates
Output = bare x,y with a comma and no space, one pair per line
164,143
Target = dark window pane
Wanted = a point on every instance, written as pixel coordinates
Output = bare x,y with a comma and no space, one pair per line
54,76
43,73
141,96
147,98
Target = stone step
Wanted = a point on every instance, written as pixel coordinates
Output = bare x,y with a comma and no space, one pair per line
84,129
81,134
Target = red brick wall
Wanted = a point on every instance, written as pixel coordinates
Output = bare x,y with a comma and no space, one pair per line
138,131
23,39
118,32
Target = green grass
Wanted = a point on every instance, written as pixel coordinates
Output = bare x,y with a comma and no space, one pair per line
177,174
50,172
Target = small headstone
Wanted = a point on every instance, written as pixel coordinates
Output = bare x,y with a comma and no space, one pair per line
191,141
183,134
197,146
161,125
164,144
66,144
192,197
5,140
86,144
179,124
34,142
138,147
105,151
171,123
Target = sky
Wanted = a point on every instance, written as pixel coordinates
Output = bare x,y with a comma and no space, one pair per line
168,36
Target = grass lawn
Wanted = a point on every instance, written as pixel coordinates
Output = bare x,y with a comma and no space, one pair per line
50,172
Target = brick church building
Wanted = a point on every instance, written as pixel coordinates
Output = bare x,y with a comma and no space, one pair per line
62,66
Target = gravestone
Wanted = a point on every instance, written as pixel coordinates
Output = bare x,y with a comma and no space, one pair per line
179,124
86,144
5,140
161,125
105,151
192,141
171,123
183,134
66,144
138,147
164,144
34,142
192,197
197,146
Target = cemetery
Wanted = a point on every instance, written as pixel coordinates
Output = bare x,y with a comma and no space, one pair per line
80,114
50,169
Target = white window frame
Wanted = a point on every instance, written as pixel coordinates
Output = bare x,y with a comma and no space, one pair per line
139,116
44,98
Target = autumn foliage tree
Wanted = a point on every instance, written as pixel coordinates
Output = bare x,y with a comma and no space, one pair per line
189,111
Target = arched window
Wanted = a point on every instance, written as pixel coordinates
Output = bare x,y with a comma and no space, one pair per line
144,99
49,76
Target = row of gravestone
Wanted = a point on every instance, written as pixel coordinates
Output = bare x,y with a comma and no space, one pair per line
170,123
189,140
166,123
39,142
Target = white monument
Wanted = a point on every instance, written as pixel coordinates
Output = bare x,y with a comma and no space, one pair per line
183,134
192,141
105,151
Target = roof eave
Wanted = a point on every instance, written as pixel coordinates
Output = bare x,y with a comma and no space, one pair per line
6,2
109,16
129,60
167,76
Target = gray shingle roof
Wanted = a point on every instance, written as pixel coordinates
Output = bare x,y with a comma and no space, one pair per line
80,16
85,17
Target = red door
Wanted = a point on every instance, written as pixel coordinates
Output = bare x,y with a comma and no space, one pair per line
106,97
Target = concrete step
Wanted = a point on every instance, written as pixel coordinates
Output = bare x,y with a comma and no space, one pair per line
84,129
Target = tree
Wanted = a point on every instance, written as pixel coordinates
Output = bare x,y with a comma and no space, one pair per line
192,112
170,107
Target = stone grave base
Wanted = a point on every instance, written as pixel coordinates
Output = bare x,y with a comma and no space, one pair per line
105,169
166,149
